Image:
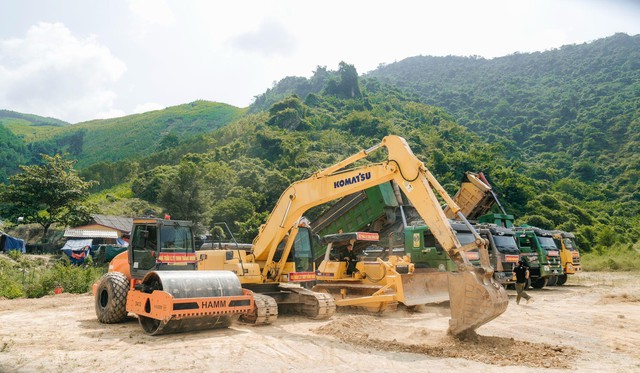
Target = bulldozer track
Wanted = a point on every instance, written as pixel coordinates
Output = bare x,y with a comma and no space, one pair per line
317,306
266,311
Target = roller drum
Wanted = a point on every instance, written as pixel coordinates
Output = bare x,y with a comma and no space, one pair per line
191,284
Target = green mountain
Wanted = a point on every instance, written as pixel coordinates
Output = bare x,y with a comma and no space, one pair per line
127,137
556,132
574,110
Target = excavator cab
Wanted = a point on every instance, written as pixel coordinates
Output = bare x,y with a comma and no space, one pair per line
299,266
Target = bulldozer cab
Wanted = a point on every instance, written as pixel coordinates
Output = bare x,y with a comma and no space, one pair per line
335,260
158,244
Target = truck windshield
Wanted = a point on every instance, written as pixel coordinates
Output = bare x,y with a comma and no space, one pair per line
547,243
465,237
506,244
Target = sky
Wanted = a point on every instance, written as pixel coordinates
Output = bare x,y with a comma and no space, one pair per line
78,60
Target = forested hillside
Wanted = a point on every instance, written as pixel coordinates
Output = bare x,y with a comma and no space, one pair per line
110,140
236,173
560,150
14,128
570,112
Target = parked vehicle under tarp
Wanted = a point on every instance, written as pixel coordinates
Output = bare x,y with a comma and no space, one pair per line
77,250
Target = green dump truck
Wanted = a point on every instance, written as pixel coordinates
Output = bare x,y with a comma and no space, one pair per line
541,254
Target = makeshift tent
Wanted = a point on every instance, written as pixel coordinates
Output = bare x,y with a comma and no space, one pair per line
11,243
77,250
104,253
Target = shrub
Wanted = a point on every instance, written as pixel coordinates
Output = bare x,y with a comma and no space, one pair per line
33,279
618,258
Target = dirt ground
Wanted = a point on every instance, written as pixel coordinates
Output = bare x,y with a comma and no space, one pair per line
590,324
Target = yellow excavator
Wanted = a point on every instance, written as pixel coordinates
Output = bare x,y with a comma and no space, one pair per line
268,267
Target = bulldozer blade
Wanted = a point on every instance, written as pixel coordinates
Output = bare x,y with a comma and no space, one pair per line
475,299
424,287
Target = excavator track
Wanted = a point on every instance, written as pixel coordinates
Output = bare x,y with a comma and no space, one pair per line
265,312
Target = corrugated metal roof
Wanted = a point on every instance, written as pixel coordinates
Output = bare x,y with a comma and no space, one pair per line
116,222
86,233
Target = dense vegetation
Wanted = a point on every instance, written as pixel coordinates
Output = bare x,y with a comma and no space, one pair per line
34,277
109,140
572,114
556,132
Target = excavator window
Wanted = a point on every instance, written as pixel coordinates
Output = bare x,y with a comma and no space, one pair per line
302,252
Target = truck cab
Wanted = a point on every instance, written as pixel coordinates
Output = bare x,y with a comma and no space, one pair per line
426,252
540,253
503,253
569,255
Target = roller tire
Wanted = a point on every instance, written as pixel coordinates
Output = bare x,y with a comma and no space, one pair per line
111,298
562,279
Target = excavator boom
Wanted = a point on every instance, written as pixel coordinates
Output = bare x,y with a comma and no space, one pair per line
475,297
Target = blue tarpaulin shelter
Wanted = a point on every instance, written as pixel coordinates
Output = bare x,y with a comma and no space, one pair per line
77,250
11,243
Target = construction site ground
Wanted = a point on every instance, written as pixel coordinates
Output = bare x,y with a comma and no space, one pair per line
590,324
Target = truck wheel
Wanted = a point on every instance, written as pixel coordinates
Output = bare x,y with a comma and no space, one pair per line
111,298
539,283
562,279
552,280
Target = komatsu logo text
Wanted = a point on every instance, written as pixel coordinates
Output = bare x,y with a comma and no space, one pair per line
352,180
214,304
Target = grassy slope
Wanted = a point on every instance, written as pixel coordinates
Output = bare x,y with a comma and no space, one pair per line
135,135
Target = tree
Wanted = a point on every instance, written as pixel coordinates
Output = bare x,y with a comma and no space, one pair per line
47,194
181,193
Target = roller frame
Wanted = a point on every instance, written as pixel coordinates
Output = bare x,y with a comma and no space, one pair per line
162,305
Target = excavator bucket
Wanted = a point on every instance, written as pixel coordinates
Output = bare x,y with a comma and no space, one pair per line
475,299
424,287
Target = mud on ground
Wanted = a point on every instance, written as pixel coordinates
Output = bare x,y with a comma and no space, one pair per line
590,324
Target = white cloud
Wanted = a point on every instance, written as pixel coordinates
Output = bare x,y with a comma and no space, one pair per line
148,106
154,12
271,39
53,73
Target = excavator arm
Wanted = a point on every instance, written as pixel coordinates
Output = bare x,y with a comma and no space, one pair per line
475,297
